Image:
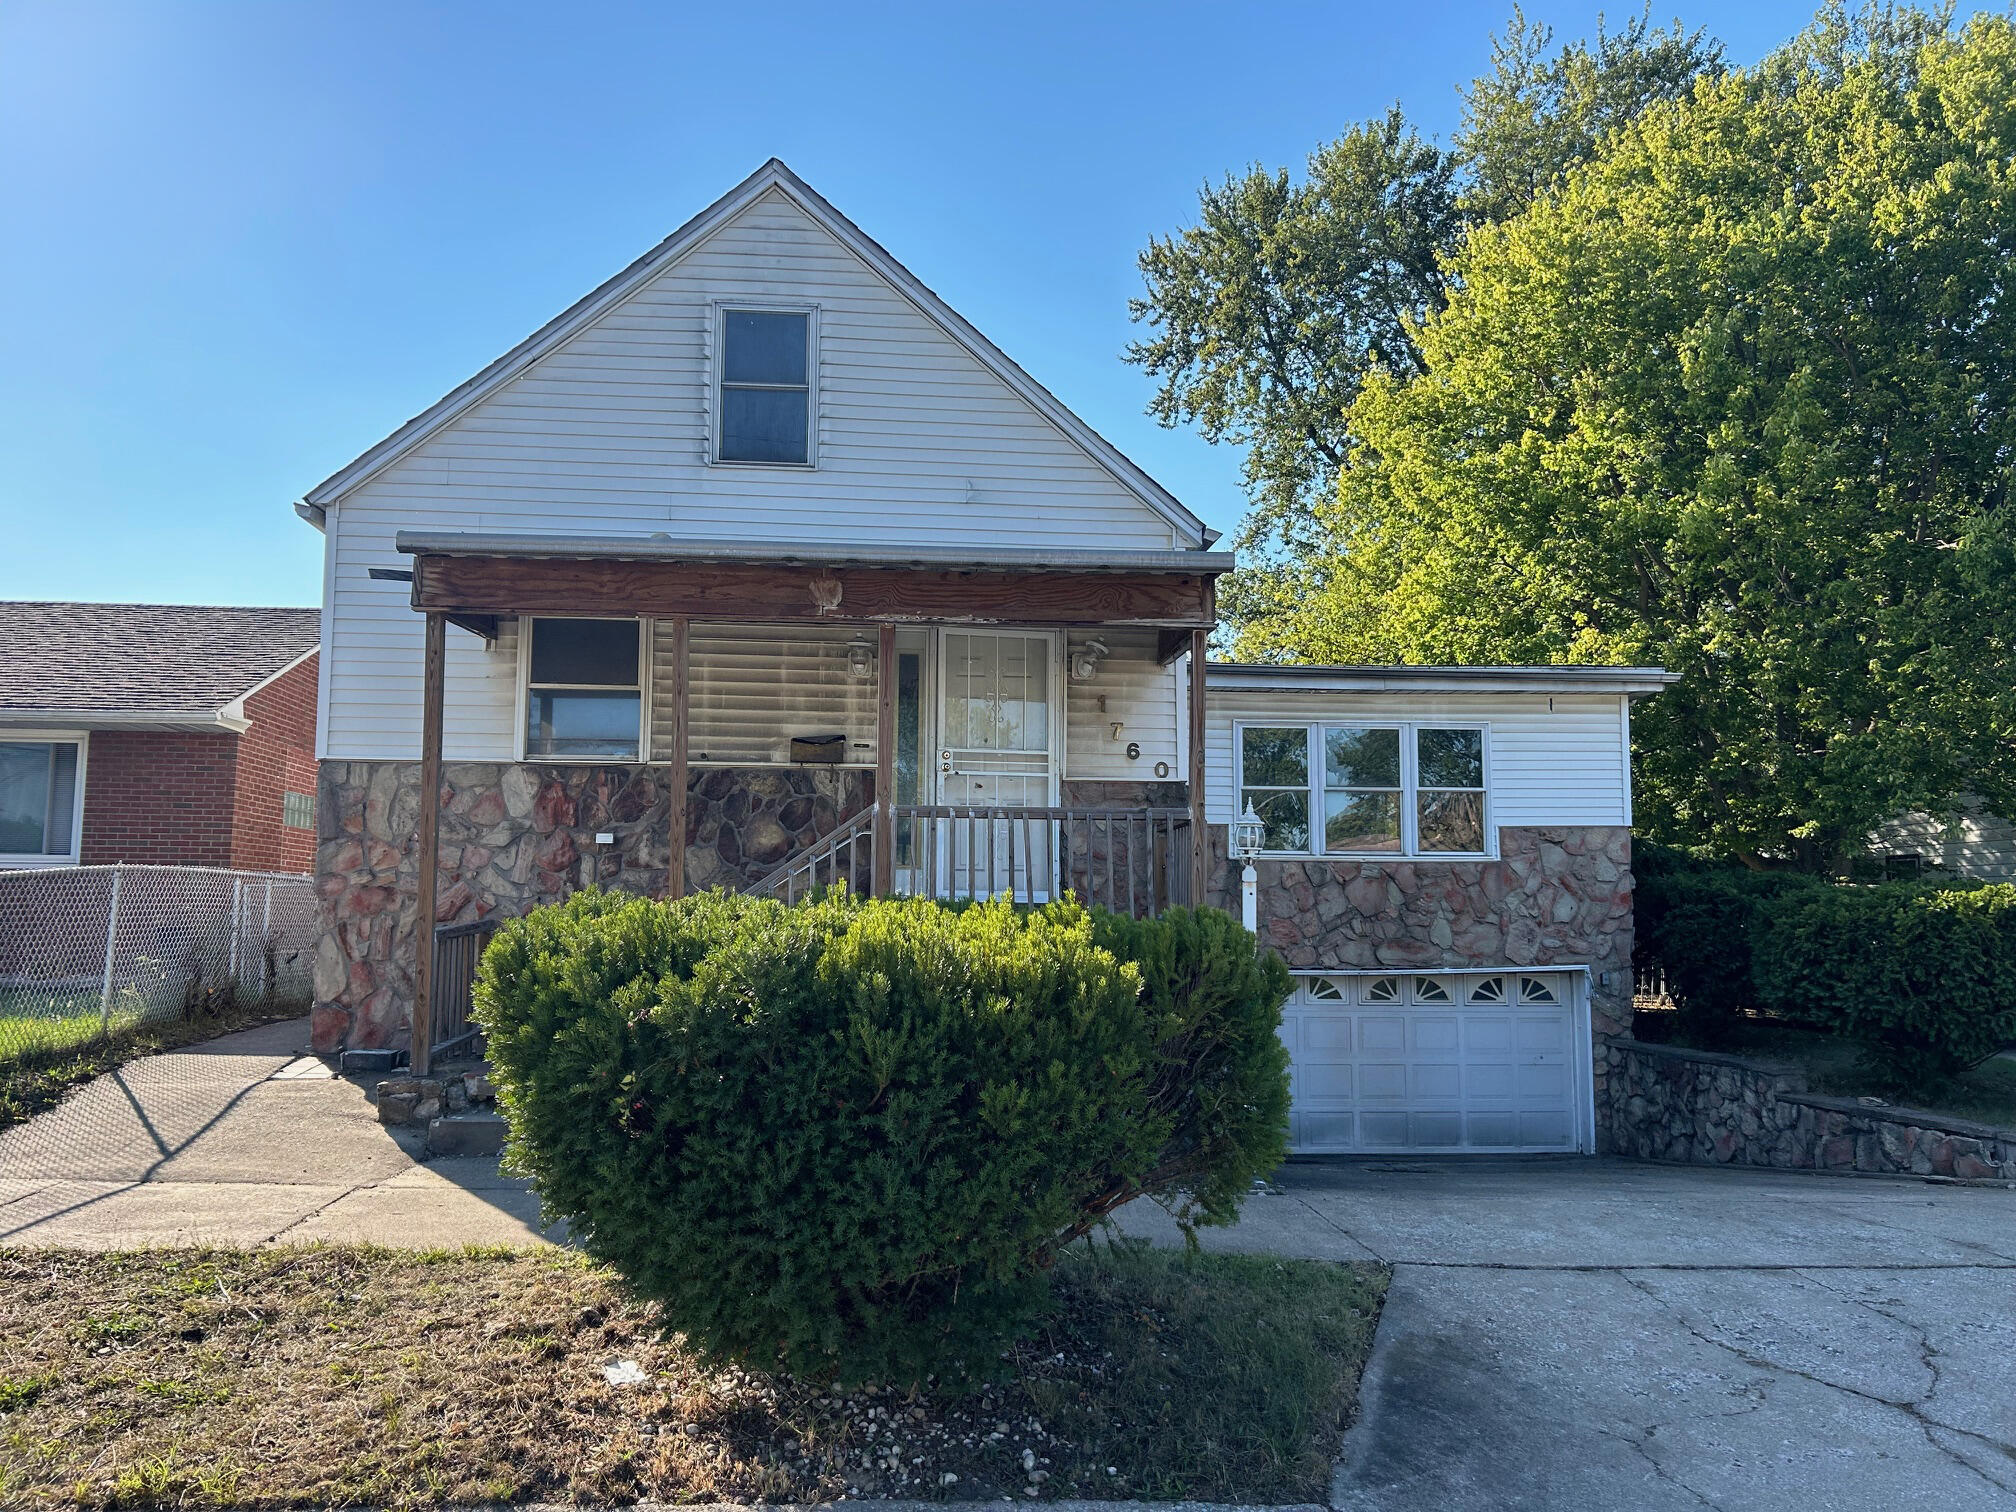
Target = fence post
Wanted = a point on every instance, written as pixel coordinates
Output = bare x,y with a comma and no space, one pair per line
266,946
111,941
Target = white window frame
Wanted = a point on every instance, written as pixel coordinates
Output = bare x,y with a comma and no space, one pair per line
1410,787
526,630
717,365
82,740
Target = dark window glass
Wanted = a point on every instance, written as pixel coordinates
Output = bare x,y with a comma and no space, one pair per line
1451,821
1354,757
1275,758
572,723
38,798
763,425
1286,816
599,652
763,346
1452,758
1361,821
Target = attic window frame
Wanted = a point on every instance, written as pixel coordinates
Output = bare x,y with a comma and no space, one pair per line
721,309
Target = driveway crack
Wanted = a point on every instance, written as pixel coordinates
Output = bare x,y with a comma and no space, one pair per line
1642,1447
1913,1409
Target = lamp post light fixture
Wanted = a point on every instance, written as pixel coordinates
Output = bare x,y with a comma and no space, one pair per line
1243,838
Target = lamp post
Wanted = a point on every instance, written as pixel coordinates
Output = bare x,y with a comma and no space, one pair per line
1243,838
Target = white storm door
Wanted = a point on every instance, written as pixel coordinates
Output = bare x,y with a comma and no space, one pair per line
999,726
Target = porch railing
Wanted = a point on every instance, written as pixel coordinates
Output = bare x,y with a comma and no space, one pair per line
1131,860
457,950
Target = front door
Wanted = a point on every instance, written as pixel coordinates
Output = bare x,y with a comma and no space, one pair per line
998,731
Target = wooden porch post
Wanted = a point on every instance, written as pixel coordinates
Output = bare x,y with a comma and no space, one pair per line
1200,840
432,677
884,881
675,822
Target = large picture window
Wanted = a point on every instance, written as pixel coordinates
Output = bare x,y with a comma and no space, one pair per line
583,699
765,396
1366,789
38,800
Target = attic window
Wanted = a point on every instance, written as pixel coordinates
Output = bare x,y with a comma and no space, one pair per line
765,400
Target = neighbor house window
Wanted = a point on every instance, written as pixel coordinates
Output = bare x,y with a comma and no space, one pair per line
297,810
765,398
38,800
1366,789
582,696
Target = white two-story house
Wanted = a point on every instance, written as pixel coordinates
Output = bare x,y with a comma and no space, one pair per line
761,568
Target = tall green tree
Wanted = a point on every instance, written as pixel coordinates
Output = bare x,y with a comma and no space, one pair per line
1269,312
1735,397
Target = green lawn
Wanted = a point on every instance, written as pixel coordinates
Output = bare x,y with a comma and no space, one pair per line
343,1377
38,1021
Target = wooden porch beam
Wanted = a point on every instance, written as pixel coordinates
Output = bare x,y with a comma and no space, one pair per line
465,585
433,677
884,880
675,819
1200,848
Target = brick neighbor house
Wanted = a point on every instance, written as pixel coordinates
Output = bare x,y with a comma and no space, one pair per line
172,734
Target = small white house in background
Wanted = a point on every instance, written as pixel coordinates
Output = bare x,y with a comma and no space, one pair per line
761,568
1970,842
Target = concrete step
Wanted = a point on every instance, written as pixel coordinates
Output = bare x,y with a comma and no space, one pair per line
471,1133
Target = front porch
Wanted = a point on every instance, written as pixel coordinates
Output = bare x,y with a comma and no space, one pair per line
774,719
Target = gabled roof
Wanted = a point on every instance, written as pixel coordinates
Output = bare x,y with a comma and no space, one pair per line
142,664
773,175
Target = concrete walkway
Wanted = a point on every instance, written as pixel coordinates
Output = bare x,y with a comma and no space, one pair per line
1594,1334
239,1142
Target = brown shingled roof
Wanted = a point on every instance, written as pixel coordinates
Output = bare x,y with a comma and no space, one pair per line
141,658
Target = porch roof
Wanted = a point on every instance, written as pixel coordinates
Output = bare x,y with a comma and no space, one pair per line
666,548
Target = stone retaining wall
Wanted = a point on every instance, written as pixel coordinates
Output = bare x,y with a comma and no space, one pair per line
1693,1107
516,836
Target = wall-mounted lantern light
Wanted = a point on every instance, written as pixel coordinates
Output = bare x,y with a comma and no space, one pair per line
860,658
1085,660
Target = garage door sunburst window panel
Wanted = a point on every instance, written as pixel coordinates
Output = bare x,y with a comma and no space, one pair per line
1384,790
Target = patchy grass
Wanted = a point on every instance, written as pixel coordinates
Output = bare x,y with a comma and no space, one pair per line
353,1376
1835,1067
43,1057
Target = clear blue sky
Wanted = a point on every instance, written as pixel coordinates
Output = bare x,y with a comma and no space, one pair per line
245,241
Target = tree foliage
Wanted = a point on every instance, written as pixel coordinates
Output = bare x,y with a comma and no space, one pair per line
1268,314
1736,399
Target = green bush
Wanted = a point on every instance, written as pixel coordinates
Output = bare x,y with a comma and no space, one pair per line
1926,975
1699,922
848,1138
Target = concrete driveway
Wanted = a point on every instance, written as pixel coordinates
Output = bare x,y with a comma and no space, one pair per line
1593,1334
242,1141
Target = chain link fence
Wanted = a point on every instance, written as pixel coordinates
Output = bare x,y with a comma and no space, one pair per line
90,952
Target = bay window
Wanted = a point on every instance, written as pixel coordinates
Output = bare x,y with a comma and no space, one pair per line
1366,789
38,801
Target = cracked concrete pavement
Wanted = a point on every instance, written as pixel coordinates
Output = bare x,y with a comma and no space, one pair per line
1560,1333
239,1142
1596,1334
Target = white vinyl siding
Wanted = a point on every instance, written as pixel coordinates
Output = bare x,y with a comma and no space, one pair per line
1552,759
916,442
1144,699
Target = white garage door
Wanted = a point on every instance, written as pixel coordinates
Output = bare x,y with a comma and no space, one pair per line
1485,1061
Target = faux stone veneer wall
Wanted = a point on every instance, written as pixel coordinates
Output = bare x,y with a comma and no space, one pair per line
1697,1108
1554,897
516,836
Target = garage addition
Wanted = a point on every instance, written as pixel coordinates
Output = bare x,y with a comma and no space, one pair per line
1444,860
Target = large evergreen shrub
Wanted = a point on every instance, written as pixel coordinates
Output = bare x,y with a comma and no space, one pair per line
1927,975
849,1137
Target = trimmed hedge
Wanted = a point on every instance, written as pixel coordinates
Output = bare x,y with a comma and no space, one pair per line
847,1138
1925,975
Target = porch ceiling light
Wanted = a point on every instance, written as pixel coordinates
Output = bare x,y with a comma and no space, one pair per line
861,658
1246,834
